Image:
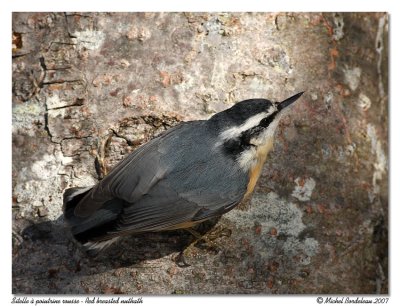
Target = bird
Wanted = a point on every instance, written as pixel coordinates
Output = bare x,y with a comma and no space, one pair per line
194,171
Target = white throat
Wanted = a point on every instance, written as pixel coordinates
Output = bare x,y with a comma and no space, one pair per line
262,145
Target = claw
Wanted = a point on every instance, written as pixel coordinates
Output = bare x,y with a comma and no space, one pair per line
208,239
181,261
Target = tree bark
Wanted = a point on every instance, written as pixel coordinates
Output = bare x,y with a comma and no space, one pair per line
88,88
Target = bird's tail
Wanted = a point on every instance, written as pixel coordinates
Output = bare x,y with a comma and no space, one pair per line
72,197
87,230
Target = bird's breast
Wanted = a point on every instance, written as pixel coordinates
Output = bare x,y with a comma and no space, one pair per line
260,157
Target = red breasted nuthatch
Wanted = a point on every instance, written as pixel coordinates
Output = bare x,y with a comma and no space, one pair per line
192,172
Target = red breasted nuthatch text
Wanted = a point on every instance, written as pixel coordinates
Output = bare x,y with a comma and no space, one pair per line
192,172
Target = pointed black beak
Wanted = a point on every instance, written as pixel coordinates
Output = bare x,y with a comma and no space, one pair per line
289,101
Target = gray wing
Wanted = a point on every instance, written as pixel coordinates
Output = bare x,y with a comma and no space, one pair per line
176,199
130,178
167,182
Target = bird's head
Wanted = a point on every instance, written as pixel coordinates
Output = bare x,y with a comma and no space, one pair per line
248,125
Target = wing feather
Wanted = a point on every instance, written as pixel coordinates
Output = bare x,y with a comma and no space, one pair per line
130,178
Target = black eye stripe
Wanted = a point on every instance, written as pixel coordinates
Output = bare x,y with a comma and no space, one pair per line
267,121
238,144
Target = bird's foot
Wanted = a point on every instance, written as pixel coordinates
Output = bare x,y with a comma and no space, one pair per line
187,252
208,240
218,232
180,260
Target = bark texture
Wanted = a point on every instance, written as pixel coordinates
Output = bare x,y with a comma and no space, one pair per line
88,88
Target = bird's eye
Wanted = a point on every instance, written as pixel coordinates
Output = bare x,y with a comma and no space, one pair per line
267,121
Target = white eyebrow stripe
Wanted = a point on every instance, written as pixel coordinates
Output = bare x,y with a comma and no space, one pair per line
250,123
237,130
